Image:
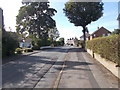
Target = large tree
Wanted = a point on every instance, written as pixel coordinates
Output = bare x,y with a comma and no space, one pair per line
35,18
116,31
53,34
83,13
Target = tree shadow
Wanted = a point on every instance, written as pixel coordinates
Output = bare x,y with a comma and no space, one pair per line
59,49
71,65
25,68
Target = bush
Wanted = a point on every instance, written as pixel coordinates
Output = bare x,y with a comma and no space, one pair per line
81,43
9,44
36,43
116,31
107,47
27,50
18,50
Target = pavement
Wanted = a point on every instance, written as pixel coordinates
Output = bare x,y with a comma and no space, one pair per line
61,67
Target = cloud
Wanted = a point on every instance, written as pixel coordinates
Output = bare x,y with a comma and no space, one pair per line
10,11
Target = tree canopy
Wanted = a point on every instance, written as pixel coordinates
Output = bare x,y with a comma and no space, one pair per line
35,18
53,34
83,13
116,31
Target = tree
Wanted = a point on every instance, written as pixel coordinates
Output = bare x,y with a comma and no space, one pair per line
53,34
35,18
83,13
76,41
62,41
116,31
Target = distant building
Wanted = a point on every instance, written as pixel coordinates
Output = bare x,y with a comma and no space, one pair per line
87,36
118,14
70,41
101,32
1,19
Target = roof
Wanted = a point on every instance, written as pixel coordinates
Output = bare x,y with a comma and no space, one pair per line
99,30
87,35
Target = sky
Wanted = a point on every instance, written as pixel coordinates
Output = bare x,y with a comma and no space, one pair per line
66,29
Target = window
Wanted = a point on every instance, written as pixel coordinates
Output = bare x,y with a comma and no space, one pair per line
103,35
108,34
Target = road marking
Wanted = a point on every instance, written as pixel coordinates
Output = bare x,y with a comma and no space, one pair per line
57,81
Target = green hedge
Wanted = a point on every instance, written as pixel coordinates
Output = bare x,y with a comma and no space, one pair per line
37,43
9,44
108,47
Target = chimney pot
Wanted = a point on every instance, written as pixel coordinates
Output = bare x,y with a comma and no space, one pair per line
98,28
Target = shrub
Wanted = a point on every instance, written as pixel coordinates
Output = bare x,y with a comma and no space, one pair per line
27,50
116,31
81,43
107,47
37,43
18,50
9,44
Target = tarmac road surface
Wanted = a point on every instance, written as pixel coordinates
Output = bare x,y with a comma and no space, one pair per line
61,67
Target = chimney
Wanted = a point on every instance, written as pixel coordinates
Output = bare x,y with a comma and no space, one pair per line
98,28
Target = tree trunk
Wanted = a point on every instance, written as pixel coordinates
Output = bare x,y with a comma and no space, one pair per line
84,35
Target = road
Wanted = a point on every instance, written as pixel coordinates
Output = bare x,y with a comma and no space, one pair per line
61,67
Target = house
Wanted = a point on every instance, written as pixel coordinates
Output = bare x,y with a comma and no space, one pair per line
101,32
118,14
70,41
25,43
87,36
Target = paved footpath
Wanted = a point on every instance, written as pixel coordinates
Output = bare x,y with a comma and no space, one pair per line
81,71
63,67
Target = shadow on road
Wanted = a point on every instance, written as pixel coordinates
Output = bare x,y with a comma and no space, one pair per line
24,68
59,49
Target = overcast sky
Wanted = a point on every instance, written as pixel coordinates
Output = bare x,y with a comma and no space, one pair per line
66,29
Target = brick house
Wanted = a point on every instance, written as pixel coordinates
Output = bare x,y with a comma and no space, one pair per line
101,32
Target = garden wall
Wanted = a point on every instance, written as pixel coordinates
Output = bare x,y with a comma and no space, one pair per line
107,51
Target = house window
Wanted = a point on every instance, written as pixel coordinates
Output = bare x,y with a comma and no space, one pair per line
103,35
108,34
94,35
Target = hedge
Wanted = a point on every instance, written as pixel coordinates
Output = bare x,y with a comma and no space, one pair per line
107,47
9,44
